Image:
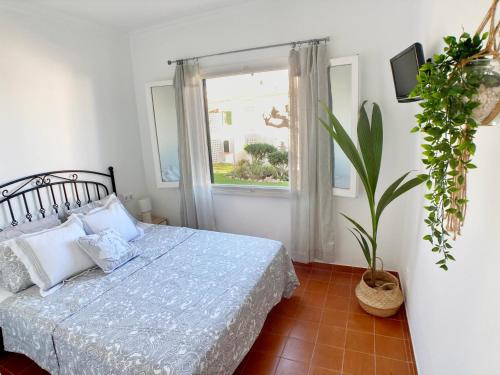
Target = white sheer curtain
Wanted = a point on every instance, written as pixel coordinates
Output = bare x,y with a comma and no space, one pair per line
195,184
310,157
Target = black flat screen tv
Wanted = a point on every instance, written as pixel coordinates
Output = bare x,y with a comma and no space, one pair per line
405,66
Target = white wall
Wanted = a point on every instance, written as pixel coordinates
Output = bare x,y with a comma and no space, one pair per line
454,315
66,101
66,98
355,27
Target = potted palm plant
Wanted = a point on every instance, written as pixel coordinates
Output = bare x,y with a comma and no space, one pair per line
378,292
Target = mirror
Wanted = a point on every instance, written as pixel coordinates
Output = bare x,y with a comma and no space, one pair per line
163,128
344,102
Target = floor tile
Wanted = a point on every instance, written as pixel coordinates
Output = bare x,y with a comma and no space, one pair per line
332,336
390,347
400,315
342,268
284,310
387,366
310,314
323,371
18,363
260,364
356,363
413,368
328,357
360,341
335,318
320,275
314,299
33,370
4,371
358,271
337,302
323,266
303,278
317,286
304,330
339,290
389,327
278,324
409,351
289,367
342,278
298,350
305,272
359,322
301,289
270,343
355,307
241,366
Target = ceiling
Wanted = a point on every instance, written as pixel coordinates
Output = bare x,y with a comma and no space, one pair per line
130,15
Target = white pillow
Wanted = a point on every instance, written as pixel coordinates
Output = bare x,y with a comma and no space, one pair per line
52,255
13,274
111,216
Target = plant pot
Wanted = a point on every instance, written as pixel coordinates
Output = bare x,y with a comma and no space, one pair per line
382,300
487,71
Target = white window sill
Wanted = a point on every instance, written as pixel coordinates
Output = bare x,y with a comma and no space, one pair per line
251,190
344,193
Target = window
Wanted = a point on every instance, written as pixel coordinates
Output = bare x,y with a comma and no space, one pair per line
343,77
248,128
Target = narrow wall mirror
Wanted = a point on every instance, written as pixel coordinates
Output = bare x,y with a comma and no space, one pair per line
160,98
344,102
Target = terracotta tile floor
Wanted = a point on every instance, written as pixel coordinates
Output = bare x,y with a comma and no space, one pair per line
321,330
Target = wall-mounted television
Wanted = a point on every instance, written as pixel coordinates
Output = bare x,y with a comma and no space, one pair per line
405,66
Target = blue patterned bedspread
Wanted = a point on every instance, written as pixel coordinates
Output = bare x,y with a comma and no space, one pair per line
193,302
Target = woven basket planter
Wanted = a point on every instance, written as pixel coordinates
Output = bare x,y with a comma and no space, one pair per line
384,299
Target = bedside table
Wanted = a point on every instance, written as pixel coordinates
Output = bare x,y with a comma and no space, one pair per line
159,220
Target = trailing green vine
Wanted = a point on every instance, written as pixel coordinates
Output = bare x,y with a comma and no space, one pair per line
447,87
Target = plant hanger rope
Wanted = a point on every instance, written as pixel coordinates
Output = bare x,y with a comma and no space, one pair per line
491,48
454,224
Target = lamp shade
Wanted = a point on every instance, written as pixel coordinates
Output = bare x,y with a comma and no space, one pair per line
145,205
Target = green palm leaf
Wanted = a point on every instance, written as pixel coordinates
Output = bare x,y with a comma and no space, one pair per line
365,144
364,246
385,199
378,139
397,191
370,142
340,136
358,227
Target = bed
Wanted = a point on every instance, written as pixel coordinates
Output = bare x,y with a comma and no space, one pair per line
192,302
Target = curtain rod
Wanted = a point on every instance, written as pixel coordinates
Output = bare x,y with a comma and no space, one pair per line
298,42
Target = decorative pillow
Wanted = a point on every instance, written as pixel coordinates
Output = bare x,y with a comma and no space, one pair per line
108,249
113,215
52,255
14,276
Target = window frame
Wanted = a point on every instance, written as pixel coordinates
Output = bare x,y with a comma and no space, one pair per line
352,192
155,148
234,189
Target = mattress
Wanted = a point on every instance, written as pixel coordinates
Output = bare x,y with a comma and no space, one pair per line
193,302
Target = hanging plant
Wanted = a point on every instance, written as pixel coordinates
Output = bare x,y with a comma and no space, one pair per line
459,90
